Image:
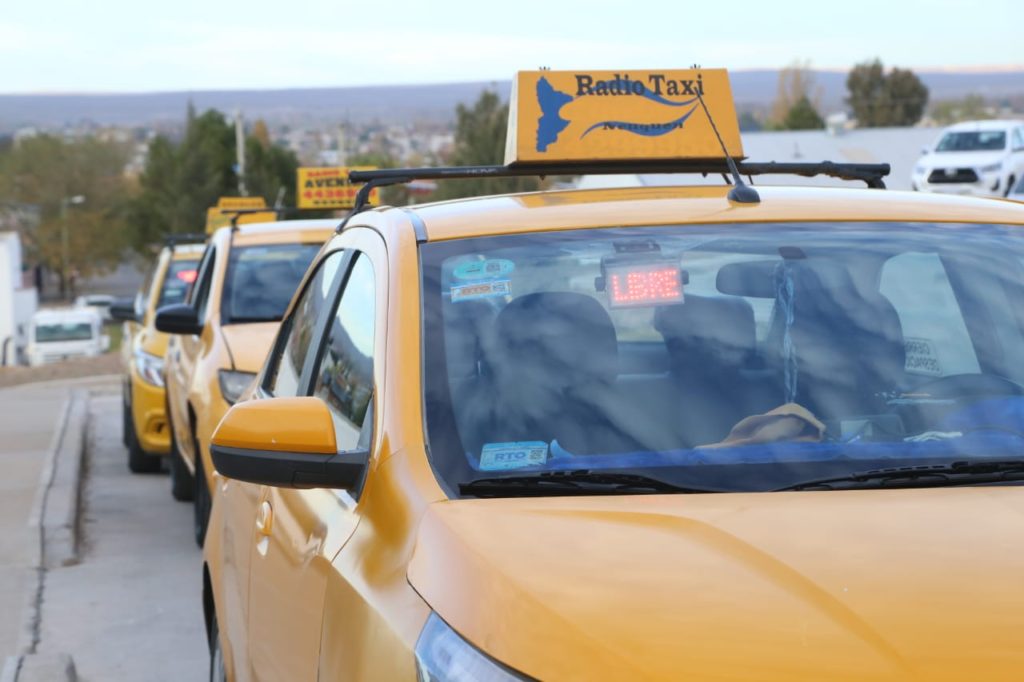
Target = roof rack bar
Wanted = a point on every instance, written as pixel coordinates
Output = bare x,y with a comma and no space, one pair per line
869,173
174,239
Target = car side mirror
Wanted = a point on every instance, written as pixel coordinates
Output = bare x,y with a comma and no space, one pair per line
180,318
924,151
123,310
287,443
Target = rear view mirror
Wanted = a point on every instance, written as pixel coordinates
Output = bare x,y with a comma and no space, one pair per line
178,319
123,310
285,442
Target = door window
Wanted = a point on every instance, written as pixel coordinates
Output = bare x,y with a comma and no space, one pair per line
200,292
284,377
344,376
934,331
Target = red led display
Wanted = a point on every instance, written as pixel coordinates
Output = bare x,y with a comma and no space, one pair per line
187,276
644,285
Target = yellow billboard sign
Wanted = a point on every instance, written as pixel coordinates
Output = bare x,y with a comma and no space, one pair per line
560,116
228,207
329,188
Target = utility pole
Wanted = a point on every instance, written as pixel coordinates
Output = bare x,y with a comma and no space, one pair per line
240,152
64,240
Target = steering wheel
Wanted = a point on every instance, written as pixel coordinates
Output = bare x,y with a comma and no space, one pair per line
970,386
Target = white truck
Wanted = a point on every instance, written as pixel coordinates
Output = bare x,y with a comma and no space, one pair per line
18,301
60,334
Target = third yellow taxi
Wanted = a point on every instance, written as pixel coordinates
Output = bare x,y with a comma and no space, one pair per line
684,433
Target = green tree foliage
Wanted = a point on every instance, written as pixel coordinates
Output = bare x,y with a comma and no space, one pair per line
970,108
803,116
181,180
880,99
480,133
50,172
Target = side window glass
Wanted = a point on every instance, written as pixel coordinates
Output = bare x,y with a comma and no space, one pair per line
344,377
934,331
283,378
200,290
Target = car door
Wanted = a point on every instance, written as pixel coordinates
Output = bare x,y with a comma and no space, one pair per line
237,503
183,351
298,532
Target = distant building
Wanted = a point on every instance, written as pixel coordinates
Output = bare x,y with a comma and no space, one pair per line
18,301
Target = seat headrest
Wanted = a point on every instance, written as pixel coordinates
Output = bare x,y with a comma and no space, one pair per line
566,337
708,327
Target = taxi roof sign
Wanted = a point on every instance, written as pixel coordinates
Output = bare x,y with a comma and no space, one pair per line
329,187
567,116
238,211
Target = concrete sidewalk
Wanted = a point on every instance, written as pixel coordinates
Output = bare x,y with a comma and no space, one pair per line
42,430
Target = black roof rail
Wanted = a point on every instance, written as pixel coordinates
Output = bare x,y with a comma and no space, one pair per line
173,240
871,174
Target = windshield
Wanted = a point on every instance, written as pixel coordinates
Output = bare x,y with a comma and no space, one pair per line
179,277
66,331
261,280
731,357
980,141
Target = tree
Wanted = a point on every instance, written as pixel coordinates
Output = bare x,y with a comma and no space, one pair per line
180,181
970,108
879,99
80,189
480,133
803,116
796,83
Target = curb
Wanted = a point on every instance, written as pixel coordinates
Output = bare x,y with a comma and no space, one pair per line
54,514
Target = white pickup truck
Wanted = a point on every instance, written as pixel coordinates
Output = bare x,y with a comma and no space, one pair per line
64,333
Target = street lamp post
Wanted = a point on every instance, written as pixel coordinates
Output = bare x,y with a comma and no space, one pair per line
75,200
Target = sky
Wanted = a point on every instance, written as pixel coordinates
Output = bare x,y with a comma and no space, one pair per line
144,46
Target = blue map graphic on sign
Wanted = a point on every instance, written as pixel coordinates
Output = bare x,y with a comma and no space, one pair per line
551,123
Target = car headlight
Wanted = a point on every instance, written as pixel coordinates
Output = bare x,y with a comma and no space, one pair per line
233,383
992,168
443,656
150,368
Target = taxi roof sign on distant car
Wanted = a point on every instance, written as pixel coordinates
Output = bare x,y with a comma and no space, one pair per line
329,188
237,210
561,116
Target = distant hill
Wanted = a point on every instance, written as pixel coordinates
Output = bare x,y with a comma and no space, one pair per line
388,104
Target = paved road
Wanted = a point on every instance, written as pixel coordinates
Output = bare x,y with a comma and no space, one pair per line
131,608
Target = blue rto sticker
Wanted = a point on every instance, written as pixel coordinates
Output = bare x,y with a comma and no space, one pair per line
484,269
504,456
475,290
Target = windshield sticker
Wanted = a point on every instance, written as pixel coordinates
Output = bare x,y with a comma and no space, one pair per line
484,269
502,456
477,290
921,357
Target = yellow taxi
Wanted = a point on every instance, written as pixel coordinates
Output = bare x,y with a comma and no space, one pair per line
696,432
245,280
145,431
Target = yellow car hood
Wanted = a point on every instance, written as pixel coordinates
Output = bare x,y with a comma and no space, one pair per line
866,585
249,343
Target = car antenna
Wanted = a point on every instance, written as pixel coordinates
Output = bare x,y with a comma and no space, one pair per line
741,192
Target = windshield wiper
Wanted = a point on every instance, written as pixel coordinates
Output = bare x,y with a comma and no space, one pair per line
922,476
581,482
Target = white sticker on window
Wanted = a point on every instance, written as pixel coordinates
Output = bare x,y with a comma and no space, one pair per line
470,292
921,358
502,456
